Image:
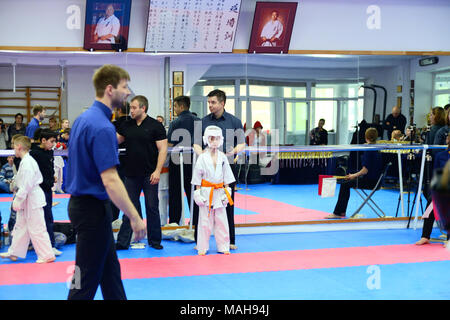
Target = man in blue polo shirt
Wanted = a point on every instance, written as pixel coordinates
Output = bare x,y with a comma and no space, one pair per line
234,143
92,181
38,116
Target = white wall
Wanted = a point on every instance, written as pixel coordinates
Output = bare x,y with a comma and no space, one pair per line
413,25
81,93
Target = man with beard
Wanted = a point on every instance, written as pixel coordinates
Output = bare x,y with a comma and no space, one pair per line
92,182
38,116
145,156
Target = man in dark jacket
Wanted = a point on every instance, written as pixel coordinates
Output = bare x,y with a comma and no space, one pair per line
181,133
394,121
43,154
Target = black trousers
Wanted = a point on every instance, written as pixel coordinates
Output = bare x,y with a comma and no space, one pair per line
175,206
229,209
134,186
344,193
48,215
96,261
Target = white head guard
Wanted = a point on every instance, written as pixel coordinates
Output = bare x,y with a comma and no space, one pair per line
213,131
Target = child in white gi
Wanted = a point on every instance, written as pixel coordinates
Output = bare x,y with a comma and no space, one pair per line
212,175
29,202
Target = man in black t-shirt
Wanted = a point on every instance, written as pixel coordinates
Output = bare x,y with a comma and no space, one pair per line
120,117
395,121
146,151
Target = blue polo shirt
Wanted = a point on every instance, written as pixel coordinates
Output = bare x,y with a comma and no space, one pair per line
31,128
93,149
230,126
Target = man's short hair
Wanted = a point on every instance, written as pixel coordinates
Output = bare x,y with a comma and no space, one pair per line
108,75
183,101
221,96
37,108
322,120
24,141
48,134
371,134
143,102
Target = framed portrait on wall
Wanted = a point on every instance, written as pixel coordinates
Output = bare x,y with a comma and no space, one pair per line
177,78
177,91
107,25
272,27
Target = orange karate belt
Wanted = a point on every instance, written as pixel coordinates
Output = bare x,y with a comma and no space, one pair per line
216,186
164,170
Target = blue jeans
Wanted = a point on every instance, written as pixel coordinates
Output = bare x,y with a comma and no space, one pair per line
134,186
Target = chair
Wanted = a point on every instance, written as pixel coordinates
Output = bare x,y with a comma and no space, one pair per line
368,197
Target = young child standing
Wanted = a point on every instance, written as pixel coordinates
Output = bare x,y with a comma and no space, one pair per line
29,202
212,175
43,154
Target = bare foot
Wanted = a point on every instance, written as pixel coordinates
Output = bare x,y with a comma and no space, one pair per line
422,241
334,216
202,253
233,247
5,255
45,261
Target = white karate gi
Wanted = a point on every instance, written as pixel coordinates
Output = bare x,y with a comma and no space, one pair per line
110,25
29,202
216,220
271,29
58,165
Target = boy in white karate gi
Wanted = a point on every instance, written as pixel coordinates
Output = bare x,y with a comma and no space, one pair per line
212,175
29,202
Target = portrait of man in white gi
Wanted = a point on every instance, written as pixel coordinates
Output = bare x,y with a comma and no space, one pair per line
108,27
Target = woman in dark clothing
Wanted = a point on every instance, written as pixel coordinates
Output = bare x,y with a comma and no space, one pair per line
16,128
437,119
440,159
366,178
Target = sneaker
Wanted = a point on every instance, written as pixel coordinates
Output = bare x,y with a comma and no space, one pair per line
56,252
137,245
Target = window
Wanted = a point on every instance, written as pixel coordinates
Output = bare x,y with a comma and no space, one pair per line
324,109
442,89
442,81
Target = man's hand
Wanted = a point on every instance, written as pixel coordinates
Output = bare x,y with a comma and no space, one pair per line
139,228
351,176
154,178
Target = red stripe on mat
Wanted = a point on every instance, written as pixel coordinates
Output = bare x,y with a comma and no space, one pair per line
268,210
55,196
29,273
